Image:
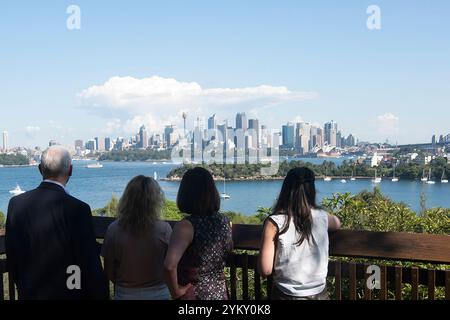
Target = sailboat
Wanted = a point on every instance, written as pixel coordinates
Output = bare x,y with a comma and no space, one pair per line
424,177
16,191
155,175
352,178
224,194
429,178
327,178
394,178
443,179
376,179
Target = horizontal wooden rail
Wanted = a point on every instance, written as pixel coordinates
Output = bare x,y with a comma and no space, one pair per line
415,247
349,276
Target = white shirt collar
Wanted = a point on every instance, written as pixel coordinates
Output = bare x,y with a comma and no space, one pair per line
58,184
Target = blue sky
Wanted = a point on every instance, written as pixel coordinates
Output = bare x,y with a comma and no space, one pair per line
276,60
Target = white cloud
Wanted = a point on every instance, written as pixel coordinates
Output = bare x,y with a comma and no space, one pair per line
388,124
156,101
32,131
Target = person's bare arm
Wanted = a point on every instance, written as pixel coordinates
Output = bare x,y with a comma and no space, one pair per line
267,250
333,223
180,240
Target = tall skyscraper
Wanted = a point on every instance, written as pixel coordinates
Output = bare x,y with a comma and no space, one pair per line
143,138
91,145
288,135
339,139
241,121
302,137
212,122
79,144
99,144
5,141
254,124
168,135
331,131
108,144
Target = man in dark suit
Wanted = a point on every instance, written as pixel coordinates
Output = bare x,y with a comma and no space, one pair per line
50,242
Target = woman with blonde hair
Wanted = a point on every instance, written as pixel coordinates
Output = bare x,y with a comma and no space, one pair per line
136,243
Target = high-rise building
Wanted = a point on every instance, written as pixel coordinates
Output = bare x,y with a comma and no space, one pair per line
212,122
241,121
433,139
168,135
108,144
331,131
79,145
288,135
254,124
91,145
302,137
99,144
143,138
339,139
350,141
52,143
5,141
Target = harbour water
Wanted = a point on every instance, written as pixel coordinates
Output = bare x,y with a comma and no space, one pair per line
97,186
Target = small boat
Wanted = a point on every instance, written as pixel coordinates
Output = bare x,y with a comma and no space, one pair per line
394,178
443,179
94,166
424,177
343,181
327,178
376,179
352,178
155,175
16,191
429,178
224,194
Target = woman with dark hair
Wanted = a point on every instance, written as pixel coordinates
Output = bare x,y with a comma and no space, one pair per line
136,243
200,243
294,245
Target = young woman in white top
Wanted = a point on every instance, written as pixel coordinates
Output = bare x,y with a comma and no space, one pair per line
294,245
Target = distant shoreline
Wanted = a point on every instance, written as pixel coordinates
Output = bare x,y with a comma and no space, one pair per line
268,178
17,165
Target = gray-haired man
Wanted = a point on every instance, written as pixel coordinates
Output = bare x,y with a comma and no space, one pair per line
50,242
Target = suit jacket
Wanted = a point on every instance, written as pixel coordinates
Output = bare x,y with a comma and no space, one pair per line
47,230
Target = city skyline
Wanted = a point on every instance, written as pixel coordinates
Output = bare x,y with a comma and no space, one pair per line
316,61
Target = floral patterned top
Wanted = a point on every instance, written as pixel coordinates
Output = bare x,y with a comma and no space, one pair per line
203,262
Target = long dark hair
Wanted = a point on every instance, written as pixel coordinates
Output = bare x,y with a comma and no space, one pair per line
296,199
198,193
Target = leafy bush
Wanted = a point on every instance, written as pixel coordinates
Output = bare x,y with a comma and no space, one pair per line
169,210
2,220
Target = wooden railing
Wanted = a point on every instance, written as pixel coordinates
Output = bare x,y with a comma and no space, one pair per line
413,266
